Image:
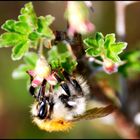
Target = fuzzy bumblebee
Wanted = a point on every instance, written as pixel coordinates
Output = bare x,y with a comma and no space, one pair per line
57,109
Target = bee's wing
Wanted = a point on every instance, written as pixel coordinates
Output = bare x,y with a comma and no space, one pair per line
95,113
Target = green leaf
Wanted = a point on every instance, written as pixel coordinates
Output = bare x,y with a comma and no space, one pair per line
93,52
49,20
109,39
9,39
33,36
133,56
28,15
20,49
115,49
94,45
112,48
28,27
61,58
43,29
99,36
105,47
113,56
69,65
22,27
91,42
53,57
54,63
20,72
30,58
132,66
118,47
9,25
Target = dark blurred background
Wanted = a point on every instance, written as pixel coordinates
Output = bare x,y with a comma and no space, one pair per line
15,101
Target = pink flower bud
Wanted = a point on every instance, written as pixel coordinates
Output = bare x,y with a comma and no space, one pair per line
78,18
109,66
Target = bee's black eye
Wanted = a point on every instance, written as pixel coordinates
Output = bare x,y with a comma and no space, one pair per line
42,110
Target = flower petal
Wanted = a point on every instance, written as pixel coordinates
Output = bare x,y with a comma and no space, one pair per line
31,72
51,80
37,81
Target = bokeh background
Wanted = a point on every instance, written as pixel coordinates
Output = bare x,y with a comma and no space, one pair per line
15,101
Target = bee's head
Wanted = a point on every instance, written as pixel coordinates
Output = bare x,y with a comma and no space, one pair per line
46,115
58,107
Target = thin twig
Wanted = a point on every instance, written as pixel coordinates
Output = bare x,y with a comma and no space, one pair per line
40,50
92,59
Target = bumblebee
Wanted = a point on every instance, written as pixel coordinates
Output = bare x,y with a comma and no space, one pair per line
57,109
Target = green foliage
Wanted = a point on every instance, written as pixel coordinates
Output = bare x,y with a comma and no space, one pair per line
26,32
43,29
94,45
30,60
132,66
113,48
9,38
60,57
30,31
106,47
20,49
28,16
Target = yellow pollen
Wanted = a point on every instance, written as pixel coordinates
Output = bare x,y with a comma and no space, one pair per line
53,125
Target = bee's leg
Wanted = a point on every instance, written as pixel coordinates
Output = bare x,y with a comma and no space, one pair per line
73,81
63,84
51,88
41,92
42,109
76,85
66,75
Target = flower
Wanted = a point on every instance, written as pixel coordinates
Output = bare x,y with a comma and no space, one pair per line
42,71
109,66
77,15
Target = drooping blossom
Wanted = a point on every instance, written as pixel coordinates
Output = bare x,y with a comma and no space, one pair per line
42,71
109,66
77,14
